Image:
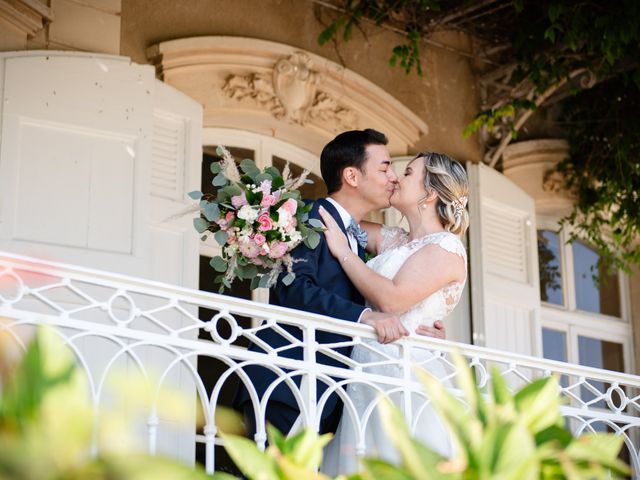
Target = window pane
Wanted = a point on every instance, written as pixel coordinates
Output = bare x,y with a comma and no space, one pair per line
554,347
549,262
593,352
596,290
308,191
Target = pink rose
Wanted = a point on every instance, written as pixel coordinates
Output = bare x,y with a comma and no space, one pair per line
290,206
265,222
268,200
249,249
229,217
231,239
239,200
259,239
278,249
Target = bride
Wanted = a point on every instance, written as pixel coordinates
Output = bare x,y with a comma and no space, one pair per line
418,275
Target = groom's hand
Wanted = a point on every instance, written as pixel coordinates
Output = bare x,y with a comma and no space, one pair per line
437,331
388,327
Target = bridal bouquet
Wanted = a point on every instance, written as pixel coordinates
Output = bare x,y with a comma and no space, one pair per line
258,218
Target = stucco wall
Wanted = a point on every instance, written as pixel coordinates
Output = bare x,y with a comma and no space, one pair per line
634,294
445,97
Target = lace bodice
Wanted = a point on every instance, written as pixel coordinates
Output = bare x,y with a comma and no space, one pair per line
396,249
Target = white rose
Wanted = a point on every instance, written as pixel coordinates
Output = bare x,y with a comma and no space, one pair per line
295,236
248,213
284,218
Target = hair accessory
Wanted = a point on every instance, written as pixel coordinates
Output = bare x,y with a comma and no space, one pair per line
459,204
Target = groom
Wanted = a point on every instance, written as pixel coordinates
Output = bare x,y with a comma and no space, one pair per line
356,168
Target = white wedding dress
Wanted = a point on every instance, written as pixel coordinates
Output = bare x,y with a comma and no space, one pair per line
341,455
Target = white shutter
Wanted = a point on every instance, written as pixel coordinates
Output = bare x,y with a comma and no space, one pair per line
96,157
74,159
505,292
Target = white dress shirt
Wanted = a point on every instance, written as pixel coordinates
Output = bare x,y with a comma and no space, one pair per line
346,220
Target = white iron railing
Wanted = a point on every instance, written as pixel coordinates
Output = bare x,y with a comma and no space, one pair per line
114,321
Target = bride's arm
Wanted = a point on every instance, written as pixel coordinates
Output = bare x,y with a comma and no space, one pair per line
374,236
429,270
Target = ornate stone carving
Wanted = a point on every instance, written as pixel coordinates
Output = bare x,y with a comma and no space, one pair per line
295,84
327,109
290,93
256,86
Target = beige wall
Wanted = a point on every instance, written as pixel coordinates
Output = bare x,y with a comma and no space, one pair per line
445,97
634,294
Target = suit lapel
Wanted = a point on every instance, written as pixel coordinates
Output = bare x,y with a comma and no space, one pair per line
328,206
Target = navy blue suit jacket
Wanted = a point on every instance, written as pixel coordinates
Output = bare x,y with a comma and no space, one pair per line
322,287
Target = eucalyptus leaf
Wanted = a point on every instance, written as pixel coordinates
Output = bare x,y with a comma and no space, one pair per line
288,279
216,168
219,264
314,222
232,190
219,180
221,237
248,166
200,224
250,271
211,212
262,177
264,281
195,195
312,240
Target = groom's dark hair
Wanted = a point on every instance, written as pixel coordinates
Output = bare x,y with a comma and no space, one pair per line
346,150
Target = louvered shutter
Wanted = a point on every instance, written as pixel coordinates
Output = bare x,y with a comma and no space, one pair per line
505,293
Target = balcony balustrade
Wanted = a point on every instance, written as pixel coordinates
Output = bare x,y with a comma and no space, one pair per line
196,341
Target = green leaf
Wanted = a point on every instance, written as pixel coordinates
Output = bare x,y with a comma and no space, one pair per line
262,177
288,279
416,458
232,190
221,237
219,264
195,195
252,462
200,224
216,168
538,404
250,271
499,389
312,240
314,222
264,281
219,180
554,434
211,211
248,166
381,470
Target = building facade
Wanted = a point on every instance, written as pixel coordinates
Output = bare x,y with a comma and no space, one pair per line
112,111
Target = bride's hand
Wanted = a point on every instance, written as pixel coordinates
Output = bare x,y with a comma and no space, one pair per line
336,239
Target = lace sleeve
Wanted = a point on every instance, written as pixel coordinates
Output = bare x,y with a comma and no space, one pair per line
391,237
451,243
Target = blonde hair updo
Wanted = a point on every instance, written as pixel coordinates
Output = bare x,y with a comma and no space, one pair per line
448,179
